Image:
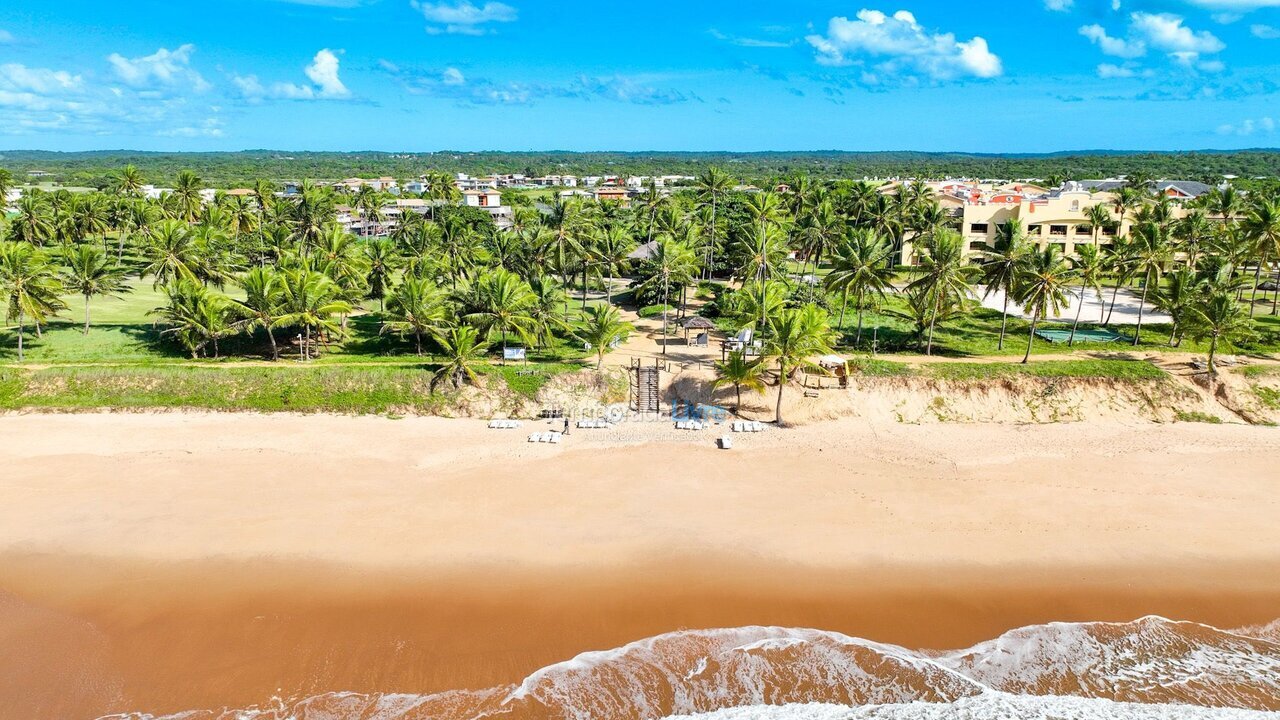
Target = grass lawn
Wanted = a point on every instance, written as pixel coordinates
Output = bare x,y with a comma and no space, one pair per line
1086,368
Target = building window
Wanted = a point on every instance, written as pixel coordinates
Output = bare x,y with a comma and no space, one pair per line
1084,230
978,228
1057,229
1108,230
977,246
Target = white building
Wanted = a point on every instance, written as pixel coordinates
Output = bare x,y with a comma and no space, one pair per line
151,192
482,198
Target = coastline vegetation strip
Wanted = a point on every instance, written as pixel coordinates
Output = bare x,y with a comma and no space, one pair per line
1129,370
337,389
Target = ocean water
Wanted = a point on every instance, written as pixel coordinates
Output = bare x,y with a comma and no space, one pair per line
1149,668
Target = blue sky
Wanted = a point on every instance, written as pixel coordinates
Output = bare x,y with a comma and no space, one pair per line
412,75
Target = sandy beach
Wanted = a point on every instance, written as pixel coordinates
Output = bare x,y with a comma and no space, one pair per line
172,561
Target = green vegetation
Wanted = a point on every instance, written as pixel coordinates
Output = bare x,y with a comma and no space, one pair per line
1197,416
1099,369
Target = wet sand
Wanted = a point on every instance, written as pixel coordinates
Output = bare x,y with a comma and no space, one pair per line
168,562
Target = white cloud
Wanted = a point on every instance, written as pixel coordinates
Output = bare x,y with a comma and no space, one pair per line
1236,5
1118,47
322,72
463,18
1266,32
209,128
908,47
452,76
1264,125
1059,5
1108,70
164,67
20,78
1164,31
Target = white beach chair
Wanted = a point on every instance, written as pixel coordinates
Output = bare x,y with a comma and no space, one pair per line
533,438
726,442
555,438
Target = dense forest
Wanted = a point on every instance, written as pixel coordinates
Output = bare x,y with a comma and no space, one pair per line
227,169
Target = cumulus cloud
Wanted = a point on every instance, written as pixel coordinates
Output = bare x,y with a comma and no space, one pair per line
163,68
1162,32
1108,70
749,41
908,49
1235,5
1059,5
1118,47
463,18
323,72
1265,125
1265,32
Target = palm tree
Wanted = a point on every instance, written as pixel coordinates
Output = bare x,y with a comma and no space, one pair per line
1043,287
1119,259
672,262
1002,266
763,256
1176,298
612,248
1099,218
91,272
381,259
711,186
796,337
501,302
6,184
1262,226
1224,202
1151,254
600,328
548,308
741,373
860,266
309,301
129,181
195,315
463,351
1219,319
264,295
186,193
34,224
416,307
1089,266
944,275
30,286
171,253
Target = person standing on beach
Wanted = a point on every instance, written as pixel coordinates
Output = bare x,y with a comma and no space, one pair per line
566,426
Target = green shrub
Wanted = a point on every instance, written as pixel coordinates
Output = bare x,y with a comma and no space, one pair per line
650,311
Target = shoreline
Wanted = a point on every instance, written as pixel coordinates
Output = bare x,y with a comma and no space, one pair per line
164,562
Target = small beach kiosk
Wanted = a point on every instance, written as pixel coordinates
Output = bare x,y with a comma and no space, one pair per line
700,324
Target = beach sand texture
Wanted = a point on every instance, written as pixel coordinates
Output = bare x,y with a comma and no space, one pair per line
163,562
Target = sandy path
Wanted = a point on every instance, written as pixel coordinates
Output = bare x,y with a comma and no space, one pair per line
182,560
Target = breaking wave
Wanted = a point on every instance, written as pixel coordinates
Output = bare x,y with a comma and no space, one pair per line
1148,668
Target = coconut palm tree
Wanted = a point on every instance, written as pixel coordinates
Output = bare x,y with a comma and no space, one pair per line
171,254
944,275
860,267
128,182
1119,259
34,224
416,307
763,255
30,287
88,270
1043,287
795,337
612,248
261,306
1151,254
711,186
501,302
600,328
309,301
195,315
671,263
1175,297
6,184
1219,319
381,260
463,352
741,373
1002,265
186,194
1099,217
548,308
1262,226
1089,265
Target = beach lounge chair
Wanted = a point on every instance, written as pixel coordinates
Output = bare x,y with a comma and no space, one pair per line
757,426
554,438
726,443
